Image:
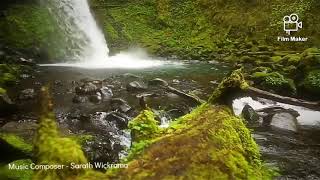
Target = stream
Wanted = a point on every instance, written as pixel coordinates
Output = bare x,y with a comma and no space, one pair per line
101,101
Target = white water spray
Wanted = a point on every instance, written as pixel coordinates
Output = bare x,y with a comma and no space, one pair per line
88,47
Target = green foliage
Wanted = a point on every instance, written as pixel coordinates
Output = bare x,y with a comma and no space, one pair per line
144,126
163,27
16,142
137,149
30,26
229,85
276,59
274,81
312,82
9,74
292,59
16,174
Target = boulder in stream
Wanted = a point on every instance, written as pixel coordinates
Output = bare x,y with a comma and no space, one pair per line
158,82
87,88
284,121
106,93
136,86
120,105
250,115
27,94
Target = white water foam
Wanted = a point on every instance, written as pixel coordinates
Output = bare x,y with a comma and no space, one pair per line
307,116
134,59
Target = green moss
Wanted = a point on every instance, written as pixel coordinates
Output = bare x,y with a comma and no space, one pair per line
51,148
312,82
144,126
274,82
292,59
229,85
81,139
163,27
207,143
310,51
17,142
16,174
247,59
8,79
276,59
2,91
29,26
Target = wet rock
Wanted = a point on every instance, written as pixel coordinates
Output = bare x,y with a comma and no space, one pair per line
58,83
106,93
282,120
175,81
135,86
120,105
96,123
79,99
26,61
175,113
26,129
25,76
120,119
87,89
102,149
95,98
27,94
250,115
158,82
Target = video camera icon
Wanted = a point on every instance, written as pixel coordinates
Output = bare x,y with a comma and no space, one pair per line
291,23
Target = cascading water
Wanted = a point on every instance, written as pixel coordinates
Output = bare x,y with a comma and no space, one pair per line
88,47
75,19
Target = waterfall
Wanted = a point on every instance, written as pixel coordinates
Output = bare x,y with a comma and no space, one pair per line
87,47
87,42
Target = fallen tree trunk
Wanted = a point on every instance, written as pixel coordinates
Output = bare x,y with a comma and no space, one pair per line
192,98
283,99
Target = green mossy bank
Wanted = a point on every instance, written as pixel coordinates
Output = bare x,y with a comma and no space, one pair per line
202,29
29,28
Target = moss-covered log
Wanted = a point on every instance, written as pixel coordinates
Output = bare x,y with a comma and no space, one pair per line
209,143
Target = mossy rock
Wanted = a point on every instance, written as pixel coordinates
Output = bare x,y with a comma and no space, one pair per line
228,86
312,82
2,91
208,143
276,59
310,51
274,82
292,59
261,69
247,59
